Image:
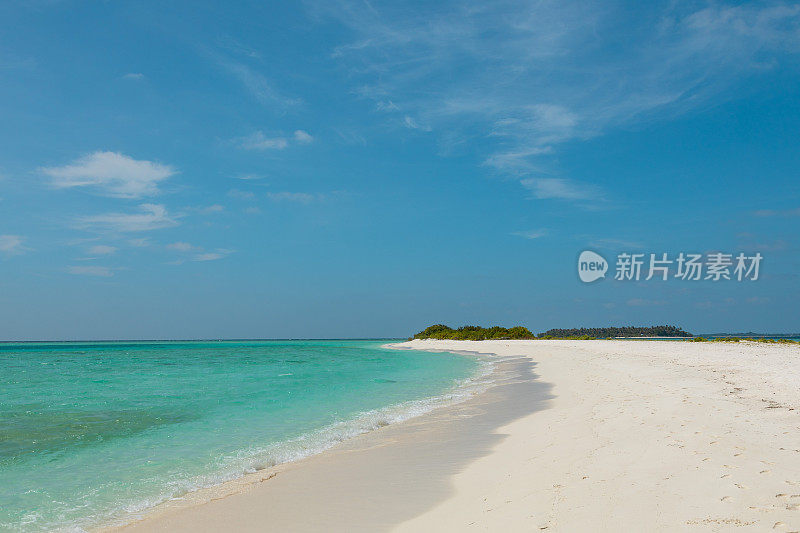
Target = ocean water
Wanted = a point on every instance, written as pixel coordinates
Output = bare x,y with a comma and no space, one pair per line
97,433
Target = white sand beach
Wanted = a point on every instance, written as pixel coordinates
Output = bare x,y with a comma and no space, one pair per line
575,436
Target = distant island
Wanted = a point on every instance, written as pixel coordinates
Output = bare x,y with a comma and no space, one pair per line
750,335
473,333
625,331
478,333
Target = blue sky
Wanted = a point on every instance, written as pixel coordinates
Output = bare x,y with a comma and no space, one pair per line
337,168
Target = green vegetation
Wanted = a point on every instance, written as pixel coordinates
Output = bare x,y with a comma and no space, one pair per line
626,331
477,333
749,339
772,341
547,336
474,333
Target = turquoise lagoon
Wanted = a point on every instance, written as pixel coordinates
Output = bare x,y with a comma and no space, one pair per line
97,433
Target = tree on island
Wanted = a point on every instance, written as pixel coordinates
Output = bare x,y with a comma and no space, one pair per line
477,333
474,333
625,331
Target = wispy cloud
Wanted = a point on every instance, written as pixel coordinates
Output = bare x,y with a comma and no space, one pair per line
530,234
562,189
255,83
12,245
531,131
111,174
99,271
182,247
140,242
387,105
102,249
196,252
300,197
303,137
529,77
350,136
151,217
517,161
211,209
212,256
412,124
260,141
777,213
240,194
133,76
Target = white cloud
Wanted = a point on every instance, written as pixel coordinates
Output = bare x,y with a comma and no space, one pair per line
517,161
775,213
212,256
102,249
211,209
249,177
301,197
562,189
412,124
531,234
256,83
242,195
237,47
198,253
182,247
259,141
135,76
152,216
532,131
302,137
208,256
12,244
111,173
387,106
139,243
100,271
525,78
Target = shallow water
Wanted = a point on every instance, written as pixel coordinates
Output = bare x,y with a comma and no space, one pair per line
95,433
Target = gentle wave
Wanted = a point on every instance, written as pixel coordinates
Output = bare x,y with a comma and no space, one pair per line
254,459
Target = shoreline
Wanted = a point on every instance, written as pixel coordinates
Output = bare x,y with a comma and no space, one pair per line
494,372
614,436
